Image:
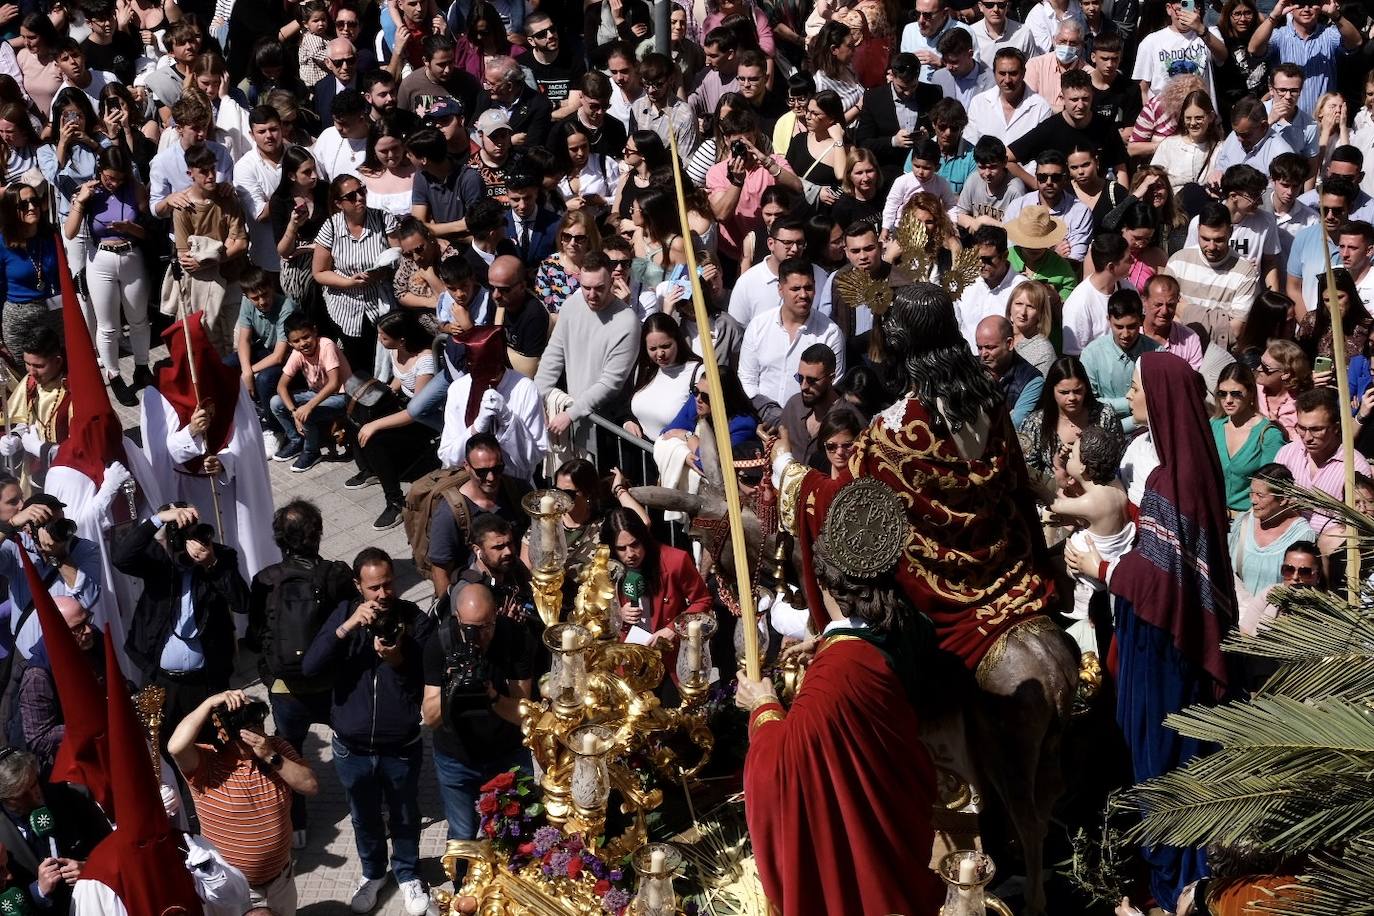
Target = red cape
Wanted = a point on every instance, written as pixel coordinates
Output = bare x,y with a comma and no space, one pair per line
219,384
838,794
976,564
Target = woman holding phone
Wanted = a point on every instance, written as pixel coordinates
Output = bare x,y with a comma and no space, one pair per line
298,208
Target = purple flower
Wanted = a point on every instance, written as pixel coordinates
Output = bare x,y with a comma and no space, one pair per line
560,861
546,838
615,900
616,874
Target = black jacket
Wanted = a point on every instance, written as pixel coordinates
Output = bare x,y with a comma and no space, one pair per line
531,115
78,825
376,707
217,594
878,124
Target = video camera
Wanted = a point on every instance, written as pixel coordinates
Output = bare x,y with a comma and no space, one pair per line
467,673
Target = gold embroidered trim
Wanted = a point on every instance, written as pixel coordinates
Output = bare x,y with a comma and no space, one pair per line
768,715
789,494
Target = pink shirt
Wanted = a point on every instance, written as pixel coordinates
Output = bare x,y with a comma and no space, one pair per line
1042,75
761,26
1185,344
328,357
747,211
1282,409
1329,477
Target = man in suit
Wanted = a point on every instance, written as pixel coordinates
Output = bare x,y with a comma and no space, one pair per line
341,60
893,113
530,114
73,826
531,225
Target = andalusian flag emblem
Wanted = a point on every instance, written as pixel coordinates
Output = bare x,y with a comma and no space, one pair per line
40,820
12,903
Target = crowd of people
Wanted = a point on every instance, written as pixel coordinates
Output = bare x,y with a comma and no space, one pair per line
449,245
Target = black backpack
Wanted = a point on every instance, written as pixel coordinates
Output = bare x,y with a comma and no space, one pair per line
296,609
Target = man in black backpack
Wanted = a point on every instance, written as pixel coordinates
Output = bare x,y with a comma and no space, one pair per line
478,666
288,603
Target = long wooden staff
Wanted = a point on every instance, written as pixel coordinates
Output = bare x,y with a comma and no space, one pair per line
721,426
1333,305
195,388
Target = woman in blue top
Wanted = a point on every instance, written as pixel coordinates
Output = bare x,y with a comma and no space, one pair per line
1245,439
743,421
28,267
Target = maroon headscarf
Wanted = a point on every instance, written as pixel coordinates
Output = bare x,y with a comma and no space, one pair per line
1178,576
486,348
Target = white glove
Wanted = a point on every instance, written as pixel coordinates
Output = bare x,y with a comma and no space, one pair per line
11,445
33,443
492,402
115,476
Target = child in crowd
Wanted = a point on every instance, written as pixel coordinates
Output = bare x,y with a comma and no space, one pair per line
453,312
925,160
260,347
315,407
211,241
314,42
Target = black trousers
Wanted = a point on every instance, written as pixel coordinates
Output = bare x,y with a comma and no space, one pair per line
392,452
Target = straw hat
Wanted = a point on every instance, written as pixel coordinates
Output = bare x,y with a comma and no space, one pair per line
1035,227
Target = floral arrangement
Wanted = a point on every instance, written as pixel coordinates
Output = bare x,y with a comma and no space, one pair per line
512,818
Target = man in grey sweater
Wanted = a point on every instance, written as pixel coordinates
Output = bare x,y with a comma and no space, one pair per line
594,345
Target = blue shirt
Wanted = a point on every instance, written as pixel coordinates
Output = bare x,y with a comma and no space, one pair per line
1305,257
85,556
1111,370
1263,153
1315,54
19,280
183,650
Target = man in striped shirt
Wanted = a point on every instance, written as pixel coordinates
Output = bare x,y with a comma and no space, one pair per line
242,786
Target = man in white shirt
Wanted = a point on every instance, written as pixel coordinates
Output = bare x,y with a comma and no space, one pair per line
989,294
963,75
1085,312
256,176
1009,110
1218,286
1183,46
71,61
775,340
1287,175
996,30
167,175
341,148
922,37
757,289
1052,173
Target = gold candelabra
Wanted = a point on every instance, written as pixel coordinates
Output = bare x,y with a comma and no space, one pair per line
148,704
548,550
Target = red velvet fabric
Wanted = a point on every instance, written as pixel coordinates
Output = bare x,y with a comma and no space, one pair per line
96,436
486,359
219,384
976,564
142,860
838,795
82,757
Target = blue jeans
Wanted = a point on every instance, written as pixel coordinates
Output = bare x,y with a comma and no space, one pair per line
460,785
294,714
264,389
370,779
328,410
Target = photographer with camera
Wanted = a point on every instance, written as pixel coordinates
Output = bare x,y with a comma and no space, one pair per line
479,665
371,647
243,784
736,183
181,636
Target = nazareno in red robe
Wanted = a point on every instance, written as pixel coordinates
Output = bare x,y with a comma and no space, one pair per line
838,793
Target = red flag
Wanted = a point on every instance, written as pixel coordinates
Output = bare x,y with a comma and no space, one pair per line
82,756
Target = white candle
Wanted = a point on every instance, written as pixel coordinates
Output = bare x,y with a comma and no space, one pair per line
968,871
657,861
694,646
569,641
589,744
548,534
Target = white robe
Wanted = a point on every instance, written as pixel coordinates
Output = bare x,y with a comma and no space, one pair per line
245,489
222,888
524,440
92,509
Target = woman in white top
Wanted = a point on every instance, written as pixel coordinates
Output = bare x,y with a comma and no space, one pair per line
588,178
663,379
389,445
830,60
387,171
1188,154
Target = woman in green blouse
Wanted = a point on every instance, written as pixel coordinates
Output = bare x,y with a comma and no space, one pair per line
1245,439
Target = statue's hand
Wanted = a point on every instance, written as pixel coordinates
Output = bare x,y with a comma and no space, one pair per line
750,693
800,652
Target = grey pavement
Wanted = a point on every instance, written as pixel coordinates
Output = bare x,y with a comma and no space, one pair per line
328,867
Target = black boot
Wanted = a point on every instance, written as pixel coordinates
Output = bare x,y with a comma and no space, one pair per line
143,376
123,393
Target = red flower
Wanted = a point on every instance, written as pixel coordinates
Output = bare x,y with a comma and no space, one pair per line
490,828
512,809
525,849
602,887
574,867
487,805
500,781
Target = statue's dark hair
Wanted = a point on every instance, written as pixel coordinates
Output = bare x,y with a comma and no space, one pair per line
929,357
878,602
1100,451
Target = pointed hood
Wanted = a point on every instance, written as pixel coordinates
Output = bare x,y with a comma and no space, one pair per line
96,437
83,755
142,860
486,360
219,384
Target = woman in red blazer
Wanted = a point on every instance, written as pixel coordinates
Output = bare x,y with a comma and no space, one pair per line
672,584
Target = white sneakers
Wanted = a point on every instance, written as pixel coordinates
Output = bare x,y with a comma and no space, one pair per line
365,894
415,897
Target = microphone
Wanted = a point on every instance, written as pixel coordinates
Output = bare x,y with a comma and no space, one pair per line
14,901
636,589
42,824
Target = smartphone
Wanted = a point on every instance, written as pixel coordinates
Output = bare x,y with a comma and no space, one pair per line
1188,6
1322,364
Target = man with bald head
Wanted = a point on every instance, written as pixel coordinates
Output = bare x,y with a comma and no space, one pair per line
476,725
341,60
40,713
1021,382
525,318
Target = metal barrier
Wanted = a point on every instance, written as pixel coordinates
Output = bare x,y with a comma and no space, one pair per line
633,455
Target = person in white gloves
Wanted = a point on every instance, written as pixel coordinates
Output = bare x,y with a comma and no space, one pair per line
492,398
39,408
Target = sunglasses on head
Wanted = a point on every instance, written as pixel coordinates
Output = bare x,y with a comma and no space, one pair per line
495,470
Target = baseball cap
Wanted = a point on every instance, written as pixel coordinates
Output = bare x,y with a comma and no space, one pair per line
445,107
492,120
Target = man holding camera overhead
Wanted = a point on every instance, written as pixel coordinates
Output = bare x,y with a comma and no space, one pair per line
371,646
181,636
242,784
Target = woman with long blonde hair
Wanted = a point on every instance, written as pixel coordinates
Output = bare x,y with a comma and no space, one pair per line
1159,118
1031,310
557,276
942,240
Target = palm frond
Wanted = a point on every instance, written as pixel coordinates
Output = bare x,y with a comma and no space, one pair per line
1349,677
1312,625
1279,723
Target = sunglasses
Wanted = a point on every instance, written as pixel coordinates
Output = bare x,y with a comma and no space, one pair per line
618,263
354,196
345,23
29,204
989,259
1045,177
542,33
343,61
411,254
495,470
808,380
1334,211
1266,369
930,15
698,392
630,151
995,6
1288,569
572,239
1231,395
833,447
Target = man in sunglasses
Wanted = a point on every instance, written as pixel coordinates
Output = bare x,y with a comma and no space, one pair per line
1053,193
922,37
341,60
659,108
990,293
555,70
804,411
487,490
1312,248
1315,456
1346,161
997,30
1316,34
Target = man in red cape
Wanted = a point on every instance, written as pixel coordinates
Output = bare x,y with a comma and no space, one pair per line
140,866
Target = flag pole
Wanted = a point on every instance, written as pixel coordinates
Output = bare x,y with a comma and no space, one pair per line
195,387
1338,357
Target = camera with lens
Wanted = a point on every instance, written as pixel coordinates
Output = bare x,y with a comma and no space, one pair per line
738,149
388,628
251,715
468,673
177,535
61,530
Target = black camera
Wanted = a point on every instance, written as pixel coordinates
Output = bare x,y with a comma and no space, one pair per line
177,536
61,530
250,715
388,628
738,149
467,674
